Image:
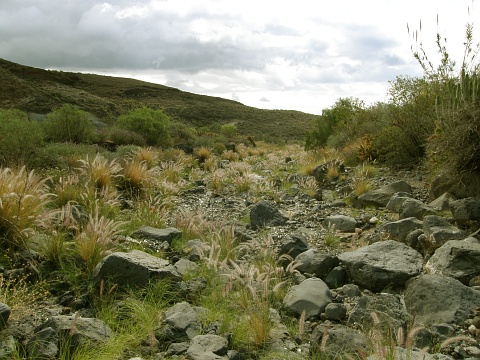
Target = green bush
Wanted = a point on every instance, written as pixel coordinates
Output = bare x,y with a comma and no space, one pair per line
69,124
153,125
61,155
20,138
333,121
454,146
229,130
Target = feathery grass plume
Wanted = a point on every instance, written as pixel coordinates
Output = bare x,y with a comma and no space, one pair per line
67,188
309,185
148,155
171,171
54,248
137,177
96,238
202,153
217,180
230,155
361,185
23,200
99,171
152,211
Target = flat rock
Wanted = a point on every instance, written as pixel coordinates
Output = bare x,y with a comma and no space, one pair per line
311,295
381,197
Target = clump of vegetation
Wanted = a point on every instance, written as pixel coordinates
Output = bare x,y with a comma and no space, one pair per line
69,124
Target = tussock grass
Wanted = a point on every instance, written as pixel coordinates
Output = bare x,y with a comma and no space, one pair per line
24,197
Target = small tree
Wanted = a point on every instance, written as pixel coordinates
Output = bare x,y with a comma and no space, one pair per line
153,125
335,119
69,124
229,130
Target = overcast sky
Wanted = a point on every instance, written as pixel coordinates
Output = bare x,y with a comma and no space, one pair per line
299,55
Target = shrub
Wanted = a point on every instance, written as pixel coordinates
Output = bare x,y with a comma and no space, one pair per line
19,138
455,144
61,155
229,130
153,125
69,124
333,120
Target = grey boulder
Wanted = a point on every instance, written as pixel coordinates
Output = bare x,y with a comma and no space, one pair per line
135,268
310,296
383,264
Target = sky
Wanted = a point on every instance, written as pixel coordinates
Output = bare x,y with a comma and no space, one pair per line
273,54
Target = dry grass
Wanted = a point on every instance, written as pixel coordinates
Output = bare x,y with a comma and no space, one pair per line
96,238
99,171
202,154
147,155
137,176
23,200
21,296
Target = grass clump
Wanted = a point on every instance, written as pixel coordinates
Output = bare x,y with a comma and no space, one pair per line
24,198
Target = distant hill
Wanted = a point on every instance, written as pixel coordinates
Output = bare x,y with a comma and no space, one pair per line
38,91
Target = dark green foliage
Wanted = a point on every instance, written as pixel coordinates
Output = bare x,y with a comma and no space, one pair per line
20,138
69,124
153,125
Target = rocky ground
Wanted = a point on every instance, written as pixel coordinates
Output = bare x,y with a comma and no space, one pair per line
388,261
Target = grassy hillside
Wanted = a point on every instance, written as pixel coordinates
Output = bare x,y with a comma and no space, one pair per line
39,91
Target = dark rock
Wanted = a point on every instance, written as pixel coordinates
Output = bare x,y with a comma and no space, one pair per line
384,312
335,312
383,264
265,214
293,245
462,186
381,197
135,268
4,315
465,211
437,232
398,230
435,299
397,200
459,259
338,342
337,277
315,263
414,208
182,322
443,201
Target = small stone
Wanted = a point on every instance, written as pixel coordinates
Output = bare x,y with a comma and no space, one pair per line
473,351
373,220
476,322
473,330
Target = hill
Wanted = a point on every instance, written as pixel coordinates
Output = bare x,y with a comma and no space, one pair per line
39,91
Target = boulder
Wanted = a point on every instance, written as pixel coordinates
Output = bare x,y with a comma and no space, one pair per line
340,223
56,332
443,201
315,263
459,259
466,211
397,200
437,299
383,264
339,342
398,230
381,197
135,268
385,312
264,214
4,315
437,232
415,208
311,295
208,347
182,322
293,245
